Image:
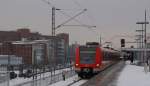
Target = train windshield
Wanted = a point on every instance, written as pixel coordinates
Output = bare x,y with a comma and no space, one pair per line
87,55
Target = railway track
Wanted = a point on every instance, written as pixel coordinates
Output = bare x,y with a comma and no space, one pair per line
82,81
106,76
108,66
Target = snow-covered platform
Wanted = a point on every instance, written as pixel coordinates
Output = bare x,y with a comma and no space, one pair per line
122,75
133,75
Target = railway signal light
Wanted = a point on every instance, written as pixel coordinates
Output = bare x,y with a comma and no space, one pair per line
122,42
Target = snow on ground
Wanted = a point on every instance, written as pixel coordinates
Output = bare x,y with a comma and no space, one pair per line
133,75
20,80
68,81
79,83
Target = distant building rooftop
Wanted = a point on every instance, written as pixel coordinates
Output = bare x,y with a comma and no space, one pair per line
24,42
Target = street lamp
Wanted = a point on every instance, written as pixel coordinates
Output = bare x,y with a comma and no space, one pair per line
143,34
142,23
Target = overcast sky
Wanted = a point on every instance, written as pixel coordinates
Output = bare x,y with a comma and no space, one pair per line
113,18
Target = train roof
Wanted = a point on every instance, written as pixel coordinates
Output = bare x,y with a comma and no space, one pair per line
109,50
102,48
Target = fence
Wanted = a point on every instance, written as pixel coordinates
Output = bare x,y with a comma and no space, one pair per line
48,80
3,76
44,79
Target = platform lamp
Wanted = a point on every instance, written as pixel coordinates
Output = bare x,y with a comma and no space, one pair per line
143,34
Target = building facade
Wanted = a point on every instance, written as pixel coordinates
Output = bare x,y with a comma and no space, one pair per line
65,43
34,47
72,50
18,35
32,52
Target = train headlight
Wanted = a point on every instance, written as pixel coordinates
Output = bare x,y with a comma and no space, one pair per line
77,64
97,65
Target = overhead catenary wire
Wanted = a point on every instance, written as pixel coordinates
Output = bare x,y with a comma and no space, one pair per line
49,3
65,14
81,7
52,5
77,3
81,24
71,18
89,16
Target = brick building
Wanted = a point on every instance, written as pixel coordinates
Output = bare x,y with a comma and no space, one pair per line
18,35
9,36
51,48
6,48
31,52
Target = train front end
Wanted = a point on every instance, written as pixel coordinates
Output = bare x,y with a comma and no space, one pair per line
88,61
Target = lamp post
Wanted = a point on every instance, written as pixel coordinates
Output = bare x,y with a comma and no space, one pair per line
144,36
53,34
141,37
143,31
143,40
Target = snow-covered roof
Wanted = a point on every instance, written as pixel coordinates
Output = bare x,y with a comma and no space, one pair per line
24,42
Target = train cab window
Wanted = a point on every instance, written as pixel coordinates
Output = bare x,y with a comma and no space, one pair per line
87,55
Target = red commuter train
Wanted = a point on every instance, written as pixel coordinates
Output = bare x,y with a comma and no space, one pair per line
91,59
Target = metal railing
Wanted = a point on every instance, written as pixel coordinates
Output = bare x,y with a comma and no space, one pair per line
48,80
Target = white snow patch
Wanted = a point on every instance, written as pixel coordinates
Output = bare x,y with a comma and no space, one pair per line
20,80
79,83
68,81
133,76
